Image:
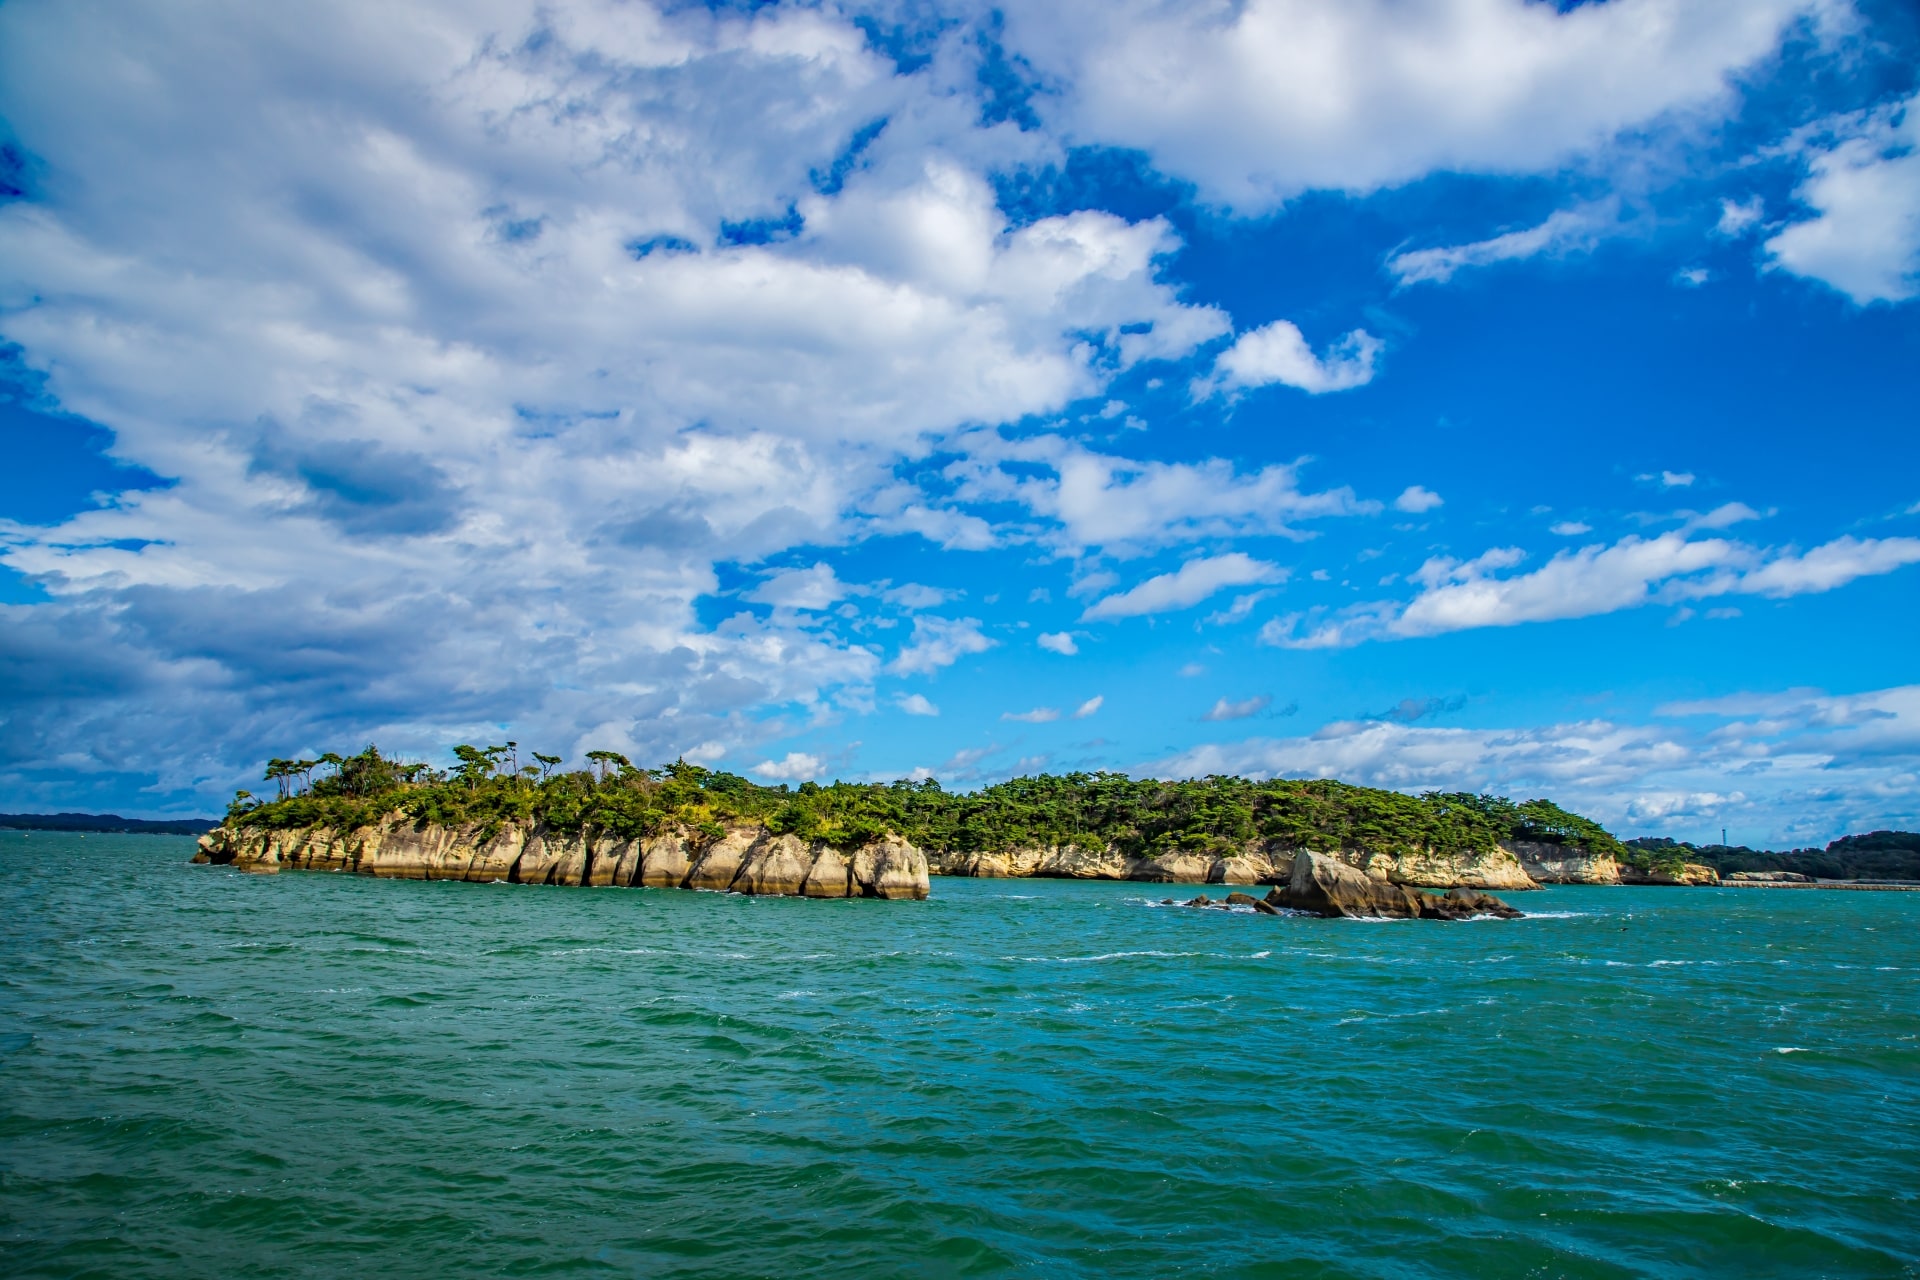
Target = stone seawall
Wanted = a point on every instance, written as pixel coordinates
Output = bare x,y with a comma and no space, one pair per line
746,859
1254,864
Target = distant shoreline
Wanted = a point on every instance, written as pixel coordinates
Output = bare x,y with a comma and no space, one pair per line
106,824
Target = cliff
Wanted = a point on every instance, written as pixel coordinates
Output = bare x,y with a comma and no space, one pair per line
1254,863
745,859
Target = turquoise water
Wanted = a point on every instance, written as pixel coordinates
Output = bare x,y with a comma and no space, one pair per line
204,1073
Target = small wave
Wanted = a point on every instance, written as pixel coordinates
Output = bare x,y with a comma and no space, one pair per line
1115,955
1556,915
1790,1048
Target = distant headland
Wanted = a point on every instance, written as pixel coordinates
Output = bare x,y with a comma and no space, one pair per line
106,823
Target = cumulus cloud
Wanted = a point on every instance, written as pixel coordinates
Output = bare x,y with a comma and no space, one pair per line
1278,353
1417,500
512,320
811,588
939,642
1088,707
1570,528
1259,101
1226,709
1461,595
1812,766
1739,216
1039,715
795,766
916,704
1185,587
1060,642
1126,506
1863,183
1568,231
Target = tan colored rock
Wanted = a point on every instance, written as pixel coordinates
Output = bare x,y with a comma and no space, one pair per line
665,861
1173,868
890,868
721,861
1071,862
775,865
615,863
830,876
1330,887
1565,863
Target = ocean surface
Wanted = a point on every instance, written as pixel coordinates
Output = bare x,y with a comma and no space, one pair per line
205,1073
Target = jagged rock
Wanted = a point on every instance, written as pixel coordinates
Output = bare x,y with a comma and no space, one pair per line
1498,869
1329,887
1265,908
1565,863
1173,868
775,865
890,868
1691,873
721,861
1202,901
1238,899
830,876
1251,867
1463,904
665,861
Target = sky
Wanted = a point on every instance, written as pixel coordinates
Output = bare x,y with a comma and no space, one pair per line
1457,394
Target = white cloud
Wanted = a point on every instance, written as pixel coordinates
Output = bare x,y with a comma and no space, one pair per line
1258,101
1039,715
1088,707
1809,766
1060,642
1278,353
1863,182
814,588
1186,586
912,595
1567,231
448,327
937,643
1415,499
1738,217
1570,528
1598,579
916,704
1692,277
1676,479
1224,709
1126,507
795,766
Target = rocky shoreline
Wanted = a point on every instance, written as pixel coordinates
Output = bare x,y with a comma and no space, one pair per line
1513,867
750,858
744,859
1324,886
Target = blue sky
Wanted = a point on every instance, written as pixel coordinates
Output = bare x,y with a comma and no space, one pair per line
1461,394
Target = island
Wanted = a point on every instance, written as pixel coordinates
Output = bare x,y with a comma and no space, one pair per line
491,817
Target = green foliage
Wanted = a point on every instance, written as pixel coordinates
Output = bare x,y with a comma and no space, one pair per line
1137,817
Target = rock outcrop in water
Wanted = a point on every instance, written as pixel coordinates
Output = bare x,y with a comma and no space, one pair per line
1254,864
745,859
1329,887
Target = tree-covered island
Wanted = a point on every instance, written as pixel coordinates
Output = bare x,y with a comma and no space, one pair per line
1140,817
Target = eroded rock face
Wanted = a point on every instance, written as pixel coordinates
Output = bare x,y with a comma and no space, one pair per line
1565,864
745,859
1255,864
1329,887
1691,873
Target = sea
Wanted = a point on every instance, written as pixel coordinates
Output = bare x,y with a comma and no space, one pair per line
208,1073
